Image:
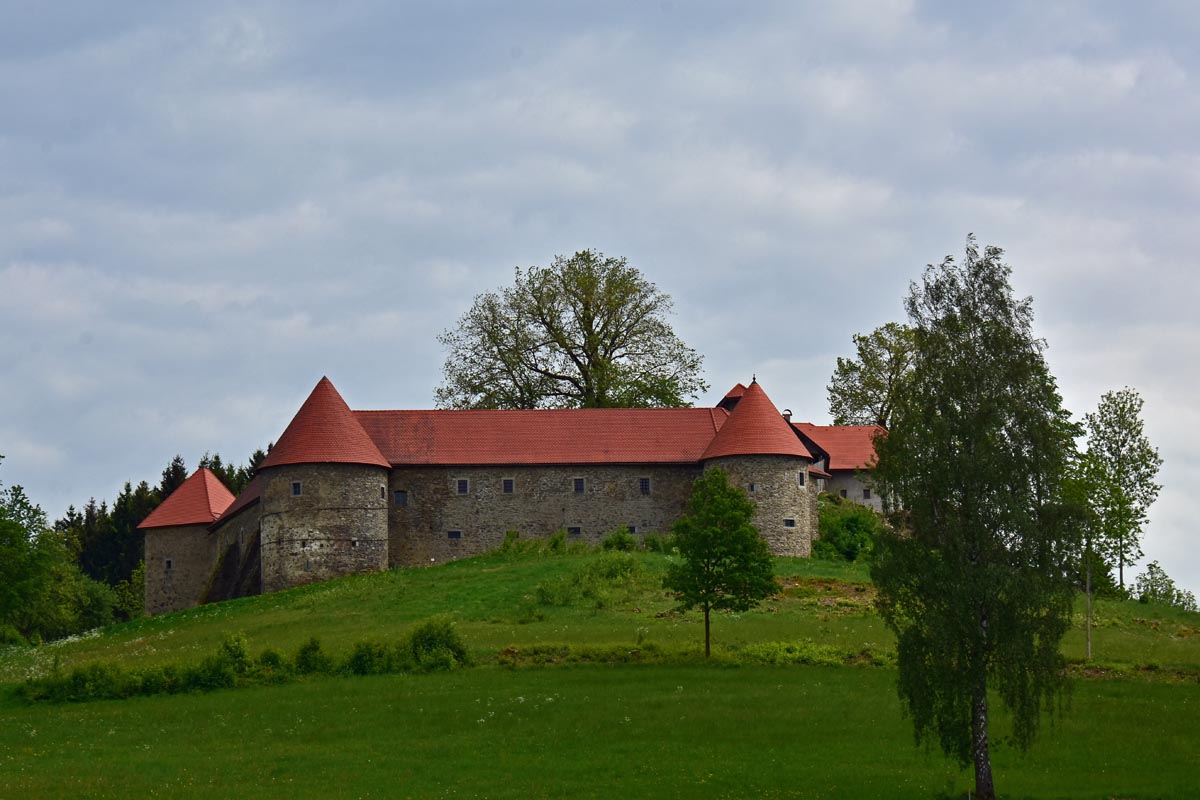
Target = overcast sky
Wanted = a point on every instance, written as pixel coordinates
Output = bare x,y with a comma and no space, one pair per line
205,208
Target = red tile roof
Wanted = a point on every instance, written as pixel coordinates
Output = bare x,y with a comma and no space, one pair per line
198,501
755,427
544,436
248,497
737,391
324,431
849,446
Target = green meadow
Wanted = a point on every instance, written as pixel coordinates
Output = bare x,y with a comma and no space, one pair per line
677,727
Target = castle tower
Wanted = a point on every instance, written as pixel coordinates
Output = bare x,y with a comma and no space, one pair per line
763,455
180,553
324,497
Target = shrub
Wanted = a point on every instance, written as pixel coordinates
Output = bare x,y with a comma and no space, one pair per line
273,667
311,660
793,653
235,652
434,645
10,636
557,543
620,539
653,543
847,529
370,658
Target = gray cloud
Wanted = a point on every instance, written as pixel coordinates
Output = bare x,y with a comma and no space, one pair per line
207,209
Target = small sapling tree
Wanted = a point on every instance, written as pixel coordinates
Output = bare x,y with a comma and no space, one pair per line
725,563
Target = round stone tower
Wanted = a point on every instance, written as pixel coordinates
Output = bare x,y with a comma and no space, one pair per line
324,497
763,456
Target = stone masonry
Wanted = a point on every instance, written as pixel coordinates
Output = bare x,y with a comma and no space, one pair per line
336,525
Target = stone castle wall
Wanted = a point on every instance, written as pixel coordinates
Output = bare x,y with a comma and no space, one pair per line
336,526
238,571
543,501
781,490
179,563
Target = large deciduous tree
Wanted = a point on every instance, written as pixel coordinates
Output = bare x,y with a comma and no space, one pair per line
726,564
863,389
978,588
588,331
1119,468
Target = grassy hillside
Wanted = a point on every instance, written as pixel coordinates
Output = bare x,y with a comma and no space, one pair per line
682,729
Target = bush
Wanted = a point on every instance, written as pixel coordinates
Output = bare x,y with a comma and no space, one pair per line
434,645
847,529
10,636
370,658
311,660
596,581
557,543
653,543
620,539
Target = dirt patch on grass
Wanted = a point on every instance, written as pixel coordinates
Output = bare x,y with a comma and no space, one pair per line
830,593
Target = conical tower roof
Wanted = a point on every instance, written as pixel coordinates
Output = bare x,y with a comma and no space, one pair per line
198,501
755,428
324,431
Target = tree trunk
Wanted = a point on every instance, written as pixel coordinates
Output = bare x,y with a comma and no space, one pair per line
707,646
1088,584
984,790
1121,568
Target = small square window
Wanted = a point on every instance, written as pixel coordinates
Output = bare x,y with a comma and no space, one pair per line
354,542
799,478
383,493
579,486
400,498
574,531
453,534
789,523
753,488
170,564
464,486
631,528
644,485
507,485
296,488
843,493
866,494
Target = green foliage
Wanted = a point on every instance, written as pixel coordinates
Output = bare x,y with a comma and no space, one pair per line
1118,472
131,594
620,539
863,391
371,658
1155,586
436,645
597,583
43,595
585,332
725,563
311,659
431,646
847,529
978,590
653,543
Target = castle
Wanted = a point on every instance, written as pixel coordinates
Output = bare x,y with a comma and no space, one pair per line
344,492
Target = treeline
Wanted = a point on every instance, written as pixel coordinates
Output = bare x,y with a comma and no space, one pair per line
87,569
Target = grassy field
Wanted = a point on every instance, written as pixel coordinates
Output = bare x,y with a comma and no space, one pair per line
676,730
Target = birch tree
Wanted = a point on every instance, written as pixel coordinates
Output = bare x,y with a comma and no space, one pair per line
978,589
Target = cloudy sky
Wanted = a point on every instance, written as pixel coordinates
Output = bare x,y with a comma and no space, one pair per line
204,209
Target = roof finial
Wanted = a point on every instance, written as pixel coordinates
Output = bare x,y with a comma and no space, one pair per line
753,378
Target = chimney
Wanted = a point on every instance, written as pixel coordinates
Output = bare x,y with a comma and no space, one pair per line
787,415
